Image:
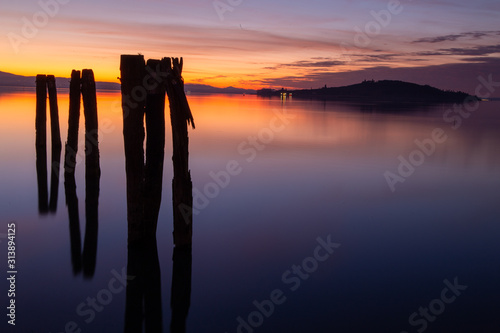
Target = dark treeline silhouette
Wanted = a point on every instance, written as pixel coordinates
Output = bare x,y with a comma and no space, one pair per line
44,83
386,91
144,188
87,259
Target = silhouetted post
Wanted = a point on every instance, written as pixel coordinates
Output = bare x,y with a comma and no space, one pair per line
54,112
71,148
92,168
155,145
56,143
41,142
92,172
132,68
180,117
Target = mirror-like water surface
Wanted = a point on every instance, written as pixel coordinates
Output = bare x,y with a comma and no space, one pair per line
296,225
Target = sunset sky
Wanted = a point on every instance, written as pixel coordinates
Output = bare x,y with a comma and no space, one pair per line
257,43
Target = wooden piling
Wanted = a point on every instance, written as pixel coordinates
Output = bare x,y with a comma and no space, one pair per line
41,111
132,68
182,187
55,143
155,147
71,148
92,172
92,168
41,142
54,112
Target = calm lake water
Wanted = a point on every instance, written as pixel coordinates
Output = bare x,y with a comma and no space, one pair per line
305,235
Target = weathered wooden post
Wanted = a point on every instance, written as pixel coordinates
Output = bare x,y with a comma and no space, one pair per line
71,148
41,142
56,143
92,172
155,145
54,112
132,68
182,187
92,168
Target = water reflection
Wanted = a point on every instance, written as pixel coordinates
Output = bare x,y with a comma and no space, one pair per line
143,307
181,288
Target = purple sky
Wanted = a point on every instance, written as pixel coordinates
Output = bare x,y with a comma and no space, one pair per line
255,44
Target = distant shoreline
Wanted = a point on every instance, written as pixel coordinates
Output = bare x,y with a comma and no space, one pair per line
383,92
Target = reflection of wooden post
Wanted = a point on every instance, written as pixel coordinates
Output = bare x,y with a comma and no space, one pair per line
73,123
132,69
155,148
74,222
41,142
180,298
143,305
56,143
182,188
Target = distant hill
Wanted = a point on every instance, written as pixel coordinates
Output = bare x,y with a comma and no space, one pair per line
12,80
385,91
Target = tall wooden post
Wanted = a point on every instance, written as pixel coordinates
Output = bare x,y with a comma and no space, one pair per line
71,148
54,112
92,172
132,68
155,146
56,143
41,142
182,187
91,124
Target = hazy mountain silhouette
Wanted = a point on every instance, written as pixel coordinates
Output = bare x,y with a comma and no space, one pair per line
376,91
13,80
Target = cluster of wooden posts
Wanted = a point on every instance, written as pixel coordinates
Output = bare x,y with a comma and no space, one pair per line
83,86
44,83
86,86
143,87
